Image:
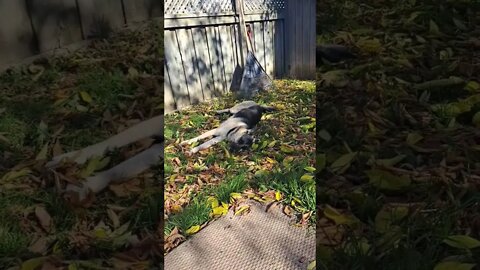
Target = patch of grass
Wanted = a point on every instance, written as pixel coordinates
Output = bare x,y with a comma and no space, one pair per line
237,183
12,241
197,212
287,181
15,131
105,87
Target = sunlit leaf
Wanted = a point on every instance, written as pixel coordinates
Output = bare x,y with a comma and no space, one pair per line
242,210
192,230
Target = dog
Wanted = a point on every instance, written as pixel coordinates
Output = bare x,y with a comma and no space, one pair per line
237,129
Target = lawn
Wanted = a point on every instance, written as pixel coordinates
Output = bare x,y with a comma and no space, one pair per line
398,148
63,103
278,168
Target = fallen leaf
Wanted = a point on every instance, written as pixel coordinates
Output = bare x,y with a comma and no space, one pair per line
312,265
278,196
338,217
306,178
387,181
343,163
462,241
33,264
43,217
193,229
85,97
242,210
454,265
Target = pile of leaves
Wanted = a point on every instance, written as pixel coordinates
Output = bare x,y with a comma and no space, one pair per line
398,150
278,168
65,103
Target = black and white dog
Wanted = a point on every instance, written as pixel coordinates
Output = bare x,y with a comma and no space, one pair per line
237,129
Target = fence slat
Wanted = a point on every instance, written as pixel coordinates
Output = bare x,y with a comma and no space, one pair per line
56,23
173,62
16,35
185,42
228,54
141,10
203,62
169,99
96,15
216,60
269,48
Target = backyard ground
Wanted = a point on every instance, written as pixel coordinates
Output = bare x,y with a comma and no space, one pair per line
398,149
64,103
279,168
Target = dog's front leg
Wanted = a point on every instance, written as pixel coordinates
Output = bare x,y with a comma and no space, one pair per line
207,144
201,137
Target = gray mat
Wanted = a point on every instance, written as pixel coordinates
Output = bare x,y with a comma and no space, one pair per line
258,240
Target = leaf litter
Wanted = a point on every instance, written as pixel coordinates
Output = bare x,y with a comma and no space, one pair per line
64,103
398,150
283,155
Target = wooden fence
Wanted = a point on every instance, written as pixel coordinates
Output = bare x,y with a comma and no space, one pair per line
30,27
203,44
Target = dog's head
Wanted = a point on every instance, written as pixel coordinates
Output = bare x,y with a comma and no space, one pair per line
243,143
241,140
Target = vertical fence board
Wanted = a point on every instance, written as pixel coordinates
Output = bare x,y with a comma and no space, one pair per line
169,99
96,15
221,57
185,42
269,48
214,51
56,23
16,35
228,54
204,63
141,10
173,61
280,55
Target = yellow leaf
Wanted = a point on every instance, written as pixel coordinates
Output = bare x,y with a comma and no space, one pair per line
387,216
343,163
387,181
100,233
258,199
453,265
272,144
219,211
236,196
213,202
193,229
306,178
224,205
413,138
336,216
476,120
309,169
312,265
15,174
85,97
462,241
278,196
33,264
72,266
287,161
242,210
42,155
287,149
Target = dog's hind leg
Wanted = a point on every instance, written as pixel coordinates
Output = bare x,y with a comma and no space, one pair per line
201,137
207,144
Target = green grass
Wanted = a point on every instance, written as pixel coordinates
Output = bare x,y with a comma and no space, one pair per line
224,173
34,107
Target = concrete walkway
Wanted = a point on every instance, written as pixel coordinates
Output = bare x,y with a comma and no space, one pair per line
257,240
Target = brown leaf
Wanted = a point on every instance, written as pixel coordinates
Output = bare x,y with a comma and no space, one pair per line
40,246
43,217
